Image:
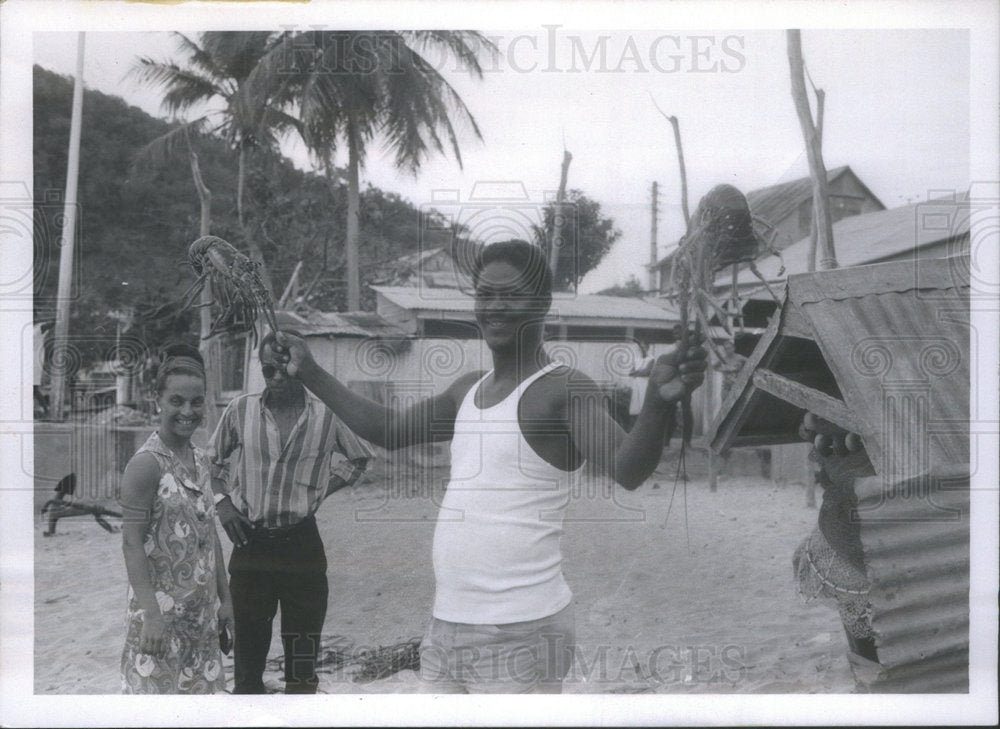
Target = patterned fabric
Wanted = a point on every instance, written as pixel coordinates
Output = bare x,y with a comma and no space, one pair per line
821,571
180,548
278,484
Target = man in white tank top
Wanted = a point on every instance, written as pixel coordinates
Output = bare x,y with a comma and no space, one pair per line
502,619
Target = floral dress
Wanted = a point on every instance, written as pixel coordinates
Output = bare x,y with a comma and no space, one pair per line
180,547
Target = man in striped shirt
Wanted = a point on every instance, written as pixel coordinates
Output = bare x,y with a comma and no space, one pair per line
276,456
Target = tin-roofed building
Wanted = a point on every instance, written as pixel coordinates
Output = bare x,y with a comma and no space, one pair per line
784,212
429,311
787,207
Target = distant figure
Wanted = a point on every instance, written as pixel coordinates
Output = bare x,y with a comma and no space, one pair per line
179,609
640,380
64,505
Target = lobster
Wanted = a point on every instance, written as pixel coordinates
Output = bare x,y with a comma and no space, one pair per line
720,234
236,284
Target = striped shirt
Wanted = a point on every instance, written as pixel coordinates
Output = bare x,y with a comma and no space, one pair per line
278,484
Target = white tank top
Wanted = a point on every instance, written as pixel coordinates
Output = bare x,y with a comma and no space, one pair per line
497,556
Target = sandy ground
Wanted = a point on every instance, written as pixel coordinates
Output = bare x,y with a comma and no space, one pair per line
656,612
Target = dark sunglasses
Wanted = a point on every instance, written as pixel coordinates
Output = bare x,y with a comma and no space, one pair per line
269,371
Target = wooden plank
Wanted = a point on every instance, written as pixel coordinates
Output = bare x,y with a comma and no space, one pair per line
807,398
945,273
738,402
764,439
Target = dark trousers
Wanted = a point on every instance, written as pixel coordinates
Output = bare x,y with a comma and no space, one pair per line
287,570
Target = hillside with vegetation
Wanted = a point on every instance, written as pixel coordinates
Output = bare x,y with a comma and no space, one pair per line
136,220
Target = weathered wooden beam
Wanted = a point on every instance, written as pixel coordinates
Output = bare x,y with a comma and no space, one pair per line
763,439
807,398
741,398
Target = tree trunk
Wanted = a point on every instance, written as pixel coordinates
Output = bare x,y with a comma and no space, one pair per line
254,250
817,170
209,347
353,216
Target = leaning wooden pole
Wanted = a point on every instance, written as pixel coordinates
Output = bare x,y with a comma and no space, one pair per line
559,218
209,346
814,220
683,170
817,170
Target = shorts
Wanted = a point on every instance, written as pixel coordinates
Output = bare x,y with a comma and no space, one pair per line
532,656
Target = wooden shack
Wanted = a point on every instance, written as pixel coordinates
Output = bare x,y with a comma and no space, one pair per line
882,351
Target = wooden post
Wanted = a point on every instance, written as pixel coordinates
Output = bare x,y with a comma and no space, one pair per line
683,170
680,160
558,222
817,170
291,289
814,219
709,399
209,347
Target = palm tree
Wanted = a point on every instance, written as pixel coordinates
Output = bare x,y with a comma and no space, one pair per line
217,71
352,87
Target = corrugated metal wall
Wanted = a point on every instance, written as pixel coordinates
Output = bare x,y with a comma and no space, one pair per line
915,534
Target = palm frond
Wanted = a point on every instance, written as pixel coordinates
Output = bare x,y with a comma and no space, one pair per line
468,46
183,87
198,56
158,152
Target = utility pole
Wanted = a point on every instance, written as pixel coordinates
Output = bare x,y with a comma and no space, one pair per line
653,250
61,355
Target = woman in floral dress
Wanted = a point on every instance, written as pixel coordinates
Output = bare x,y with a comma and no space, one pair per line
178,600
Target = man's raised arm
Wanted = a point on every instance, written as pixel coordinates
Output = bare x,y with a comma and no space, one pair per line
430,420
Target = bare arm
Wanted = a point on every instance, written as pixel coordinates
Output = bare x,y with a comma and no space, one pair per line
629,458
139,484
432,419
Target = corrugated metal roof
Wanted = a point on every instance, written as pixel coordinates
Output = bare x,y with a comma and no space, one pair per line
894,337
564,306
773,204
873,237
340,324
915,536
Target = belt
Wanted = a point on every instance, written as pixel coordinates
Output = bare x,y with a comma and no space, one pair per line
263,532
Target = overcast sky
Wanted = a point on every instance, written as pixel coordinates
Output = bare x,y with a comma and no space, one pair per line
897,112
